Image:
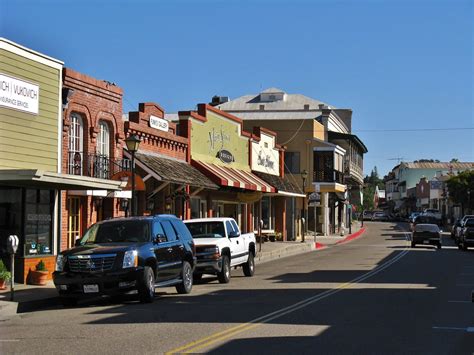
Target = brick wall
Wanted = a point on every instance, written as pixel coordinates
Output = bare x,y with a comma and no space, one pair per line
30,264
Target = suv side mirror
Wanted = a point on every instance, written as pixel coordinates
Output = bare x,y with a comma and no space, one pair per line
77,243
234,234
160,238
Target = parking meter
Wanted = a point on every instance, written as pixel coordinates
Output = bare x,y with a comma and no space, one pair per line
12,247
303,222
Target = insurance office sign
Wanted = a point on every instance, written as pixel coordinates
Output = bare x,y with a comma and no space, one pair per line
19,94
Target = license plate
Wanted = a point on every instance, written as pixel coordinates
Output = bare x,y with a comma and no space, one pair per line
426,242
91,288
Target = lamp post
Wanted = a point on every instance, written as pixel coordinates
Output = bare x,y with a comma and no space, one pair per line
304,176
133,142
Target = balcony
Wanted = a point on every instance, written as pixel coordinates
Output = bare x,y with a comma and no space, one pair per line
353,172
328,175
94,165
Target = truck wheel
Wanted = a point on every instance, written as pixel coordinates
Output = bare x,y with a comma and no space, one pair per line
224,275
68,301
146,286
187,276
249,266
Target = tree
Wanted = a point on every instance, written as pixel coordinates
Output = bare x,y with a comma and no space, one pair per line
454,160
461,187
370,182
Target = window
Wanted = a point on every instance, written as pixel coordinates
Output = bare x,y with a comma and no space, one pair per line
103,140
236,228
267,213
292,162
38,222
229,227
157,229
169,231
75,145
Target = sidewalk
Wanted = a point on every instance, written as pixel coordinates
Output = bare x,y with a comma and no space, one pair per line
29,298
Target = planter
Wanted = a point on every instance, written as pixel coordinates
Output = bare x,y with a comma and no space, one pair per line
38,278
3,284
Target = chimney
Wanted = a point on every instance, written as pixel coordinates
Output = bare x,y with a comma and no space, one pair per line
217,100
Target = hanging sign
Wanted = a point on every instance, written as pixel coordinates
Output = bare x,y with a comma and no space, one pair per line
19,94
225,156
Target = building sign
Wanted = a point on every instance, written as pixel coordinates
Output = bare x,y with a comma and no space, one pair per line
436,185
19,94
225,156
159,123
217,138
265,157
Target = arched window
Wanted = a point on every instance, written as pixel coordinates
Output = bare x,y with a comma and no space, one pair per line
76,145
103,140
102,163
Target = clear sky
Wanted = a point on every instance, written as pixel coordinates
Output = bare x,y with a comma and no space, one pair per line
405,68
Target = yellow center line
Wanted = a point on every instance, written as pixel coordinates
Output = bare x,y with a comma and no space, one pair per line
205,342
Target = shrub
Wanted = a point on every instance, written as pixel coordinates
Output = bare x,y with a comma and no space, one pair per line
41,266
4,273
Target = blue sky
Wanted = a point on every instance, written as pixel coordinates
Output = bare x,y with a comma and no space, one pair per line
399,65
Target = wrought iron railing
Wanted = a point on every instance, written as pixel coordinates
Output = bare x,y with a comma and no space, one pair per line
328,175
95,165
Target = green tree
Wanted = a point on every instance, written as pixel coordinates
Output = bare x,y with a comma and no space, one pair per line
461,187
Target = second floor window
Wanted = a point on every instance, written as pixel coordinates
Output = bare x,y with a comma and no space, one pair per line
103,140
292,162
75,145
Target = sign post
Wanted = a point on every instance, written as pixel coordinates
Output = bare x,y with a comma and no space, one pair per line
12,246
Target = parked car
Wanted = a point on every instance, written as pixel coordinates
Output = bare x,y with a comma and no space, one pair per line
126,254
456,228
412,216
466,239
367,215
220,246
422,219
427,234
459,227
432,212
380,216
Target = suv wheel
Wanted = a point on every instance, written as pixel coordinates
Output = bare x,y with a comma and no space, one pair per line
224,275
249,266
187,279
146,288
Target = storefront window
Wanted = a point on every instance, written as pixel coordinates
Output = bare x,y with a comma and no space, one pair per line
267,214
195,205
38,222
10,216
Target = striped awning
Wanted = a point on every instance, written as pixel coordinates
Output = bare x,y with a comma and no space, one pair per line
226,176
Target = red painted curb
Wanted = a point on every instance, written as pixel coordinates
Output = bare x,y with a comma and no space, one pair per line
319,245
352,236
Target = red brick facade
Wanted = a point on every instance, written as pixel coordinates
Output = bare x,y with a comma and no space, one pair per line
95,101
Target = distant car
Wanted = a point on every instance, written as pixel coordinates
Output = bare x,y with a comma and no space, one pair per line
412,216
422,219
427,234
456,228
380,216
466,239
432,212
367,215
459,227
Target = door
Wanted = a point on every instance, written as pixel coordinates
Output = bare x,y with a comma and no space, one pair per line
237,252
73,221
174,248
162,254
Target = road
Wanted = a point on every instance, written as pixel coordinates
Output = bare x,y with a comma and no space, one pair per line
372,295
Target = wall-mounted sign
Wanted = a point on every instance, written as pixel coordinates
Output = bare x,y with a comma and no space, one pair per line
265,157
159,123
265,160
217,137
19,94
225,156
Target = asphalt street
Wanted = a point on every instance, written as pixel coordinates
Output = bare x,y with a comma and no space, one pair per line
373,295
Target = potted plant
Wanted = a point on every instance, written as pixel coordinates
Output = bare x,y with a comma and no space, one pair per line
5,276
40,275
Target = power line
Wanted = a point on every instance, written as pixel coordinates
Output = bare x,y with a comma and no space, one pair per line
384,130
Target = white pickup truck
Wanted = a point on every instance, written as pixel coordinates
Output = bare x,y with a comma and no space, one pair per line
220,246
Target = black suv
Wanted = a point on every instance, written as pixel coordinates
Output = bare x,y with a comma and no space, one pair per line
125,254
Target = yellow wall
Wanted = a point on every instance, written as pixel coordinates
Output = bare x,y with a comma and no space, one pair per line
29,141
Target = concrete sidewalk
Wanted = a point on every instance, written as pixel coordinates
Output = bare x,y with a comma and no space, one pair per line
29,298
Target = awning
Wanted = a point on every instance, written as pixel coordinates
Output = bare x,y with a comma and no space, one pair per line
283,185
56,181
226,176
174,171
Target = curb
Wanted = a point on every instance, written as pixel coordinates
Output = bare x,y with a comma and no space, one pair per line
353,236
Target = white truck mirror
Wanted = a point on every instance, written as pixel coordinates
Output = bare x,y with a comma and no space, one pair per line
12,244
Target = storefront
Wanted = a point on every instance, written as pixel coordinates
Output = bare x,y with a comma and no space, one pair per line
170,182
220,150
31,157
278,209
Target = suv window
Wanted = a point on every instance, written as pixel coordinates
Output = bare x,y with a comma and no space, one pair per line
169,231
157,229
183,232
131,231
236,228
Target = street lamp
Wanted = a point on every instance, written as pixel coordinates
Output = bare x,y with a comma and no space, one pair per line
133,142
304,176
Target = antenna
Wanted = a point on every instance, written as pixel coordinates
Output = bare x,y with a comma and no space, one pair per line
398,159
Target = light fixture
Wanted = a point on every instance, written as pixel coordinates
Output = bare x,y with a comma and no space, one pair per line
132,142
